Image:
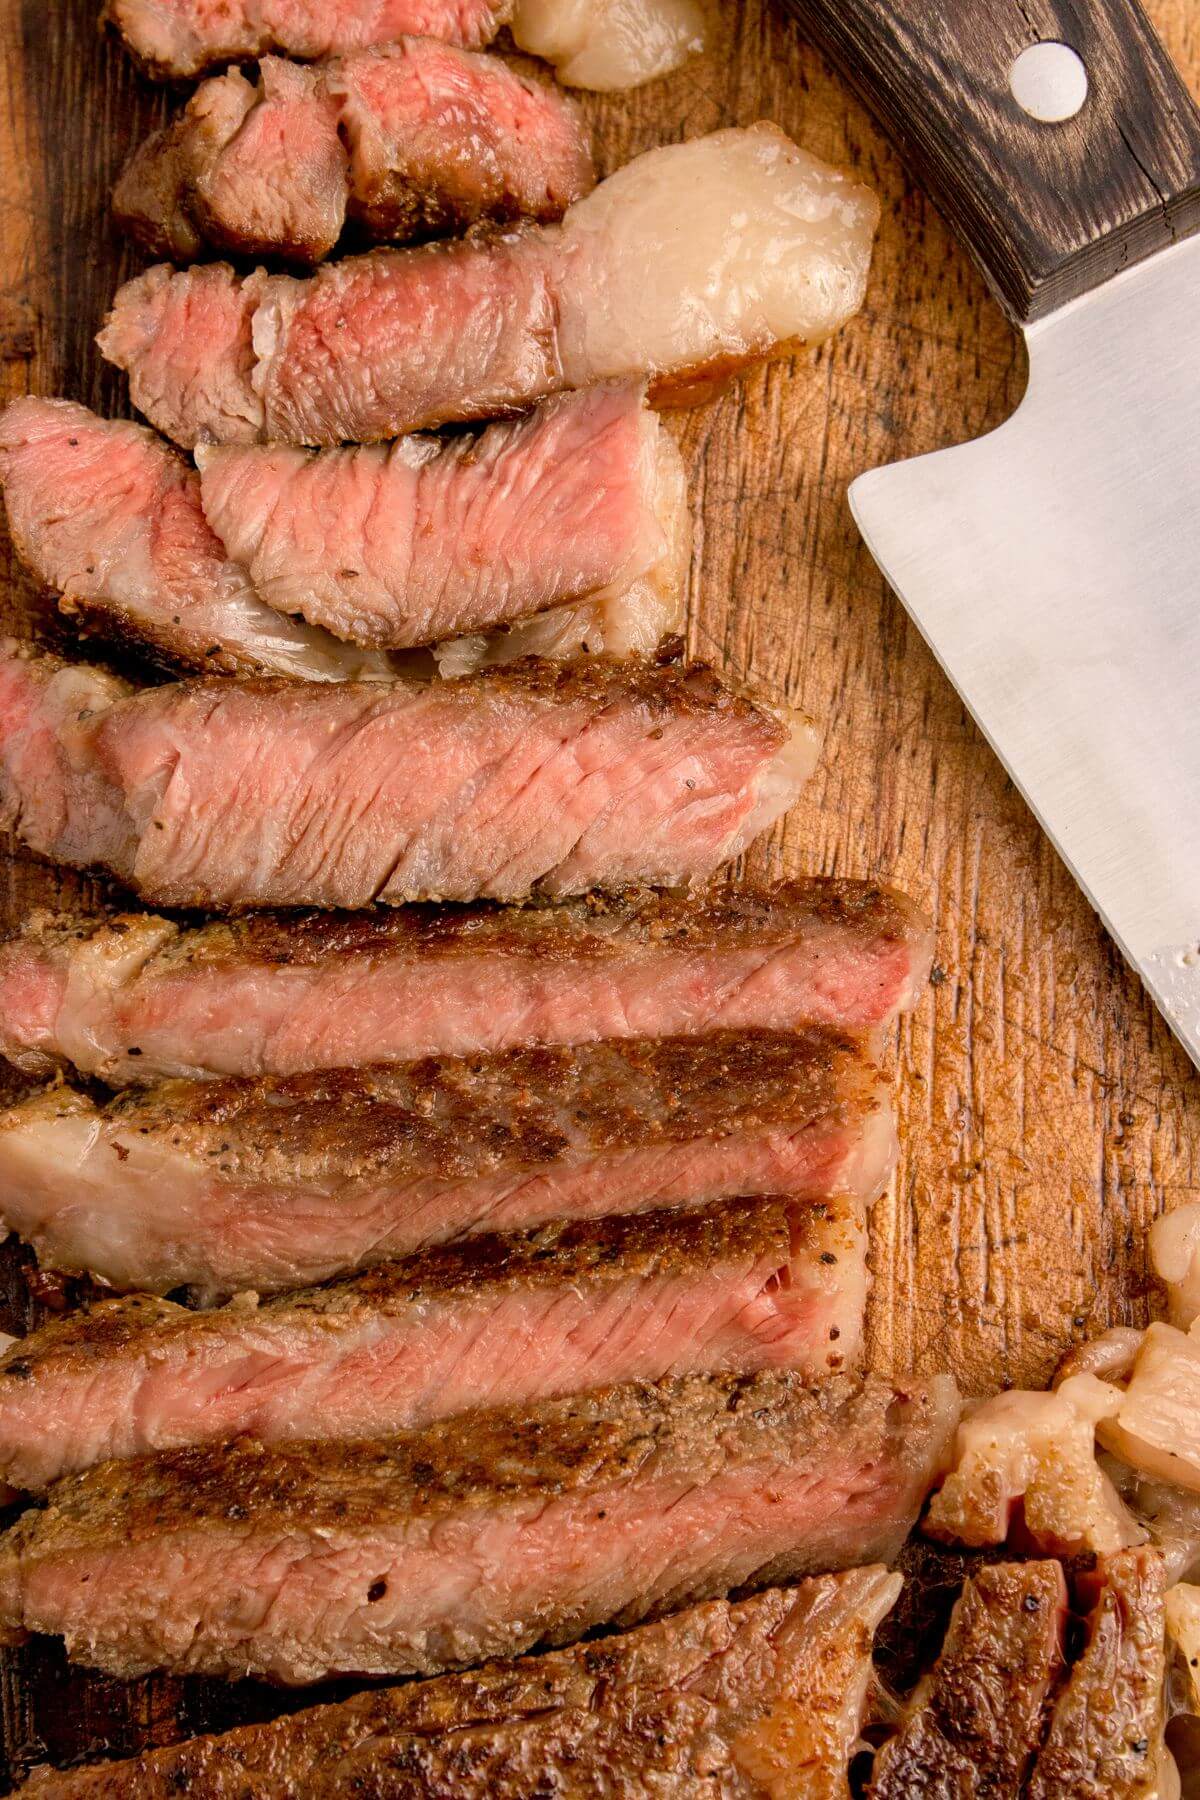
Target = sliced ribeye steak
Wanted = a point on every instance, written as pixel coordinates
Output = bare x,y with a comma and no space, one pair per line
176,39
478,1536
713,1701
135,998
973,1723
775,254
493,1321
109,517
408,140
546,777
276,1183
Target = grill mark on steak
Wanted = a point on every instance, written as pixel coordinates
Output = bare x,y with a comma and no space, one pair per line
974,1722
398,340
491,1532
720,1693
410,140
134,999
261,792
745,1285
174,40
280,1182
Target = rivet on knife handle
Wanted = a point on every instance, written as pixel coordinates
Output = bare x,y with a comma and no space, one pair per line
1053,191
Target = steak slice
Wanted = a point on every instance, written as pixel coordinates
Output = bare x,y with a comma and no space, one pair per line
274,1184
409,140
715,1700
580,510
973,1724
475,1537
134,998
109,516
406,544
1105,1736
273,793
176,39
494,1321
775,254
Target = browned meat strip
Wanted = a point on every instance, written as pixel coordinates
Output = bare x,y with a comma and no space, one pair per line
109,516
712,1701
479,1536
745,1285
175,39
136,998
409,140
974,1722
775,253
1106,1733
273,793
563,533
278,1183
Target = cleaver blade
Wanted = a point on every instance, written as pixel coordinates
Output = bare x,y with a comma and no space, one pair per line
1054,568
1054,565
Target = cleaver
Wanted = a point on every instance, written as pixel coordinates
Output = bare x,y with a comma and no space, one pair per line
1054,565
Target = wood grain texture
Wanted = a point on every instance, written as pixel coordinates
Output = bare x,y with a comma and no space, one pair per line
1047,1114
1048,210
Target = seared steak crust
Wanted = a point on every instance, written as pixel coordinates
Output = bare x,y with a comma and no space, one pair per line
596,926
134,998
267,792
702,1704
465,1116
593,927
282,1182
974,1722
744,1285
1105,1735
478,1536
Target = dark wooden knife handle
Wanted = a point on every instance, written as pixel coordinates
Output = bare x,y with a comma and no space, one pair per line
1049,211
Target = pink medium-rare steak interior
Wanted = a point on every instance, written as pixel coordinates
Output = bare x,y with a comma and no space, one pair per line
755,245
270,793
275,1184
135,998
109,516
745,1285
175,39
720,1691
190,338
256,169
106,513
410,140
439,138
426,539
479,1536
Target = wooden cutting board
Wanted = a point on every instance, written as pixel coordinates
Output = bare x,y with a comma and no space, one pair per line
1047,1113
